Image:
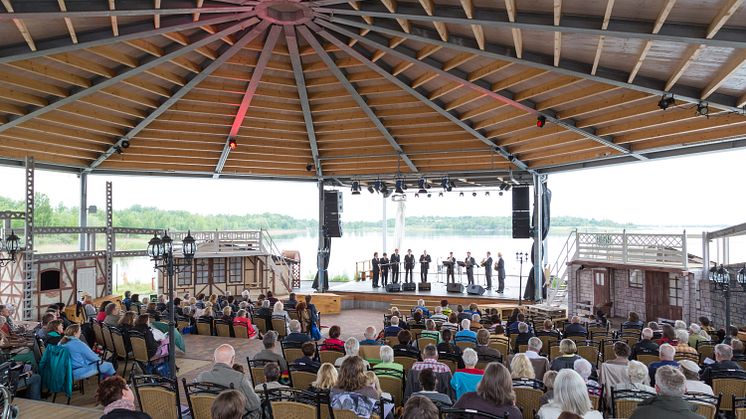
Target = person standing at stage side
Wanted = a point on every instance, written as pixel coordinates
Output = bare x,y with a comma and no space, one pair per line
488,270
449,268
500,266
395,259
376,269
408,266
425,260
384,270
469,262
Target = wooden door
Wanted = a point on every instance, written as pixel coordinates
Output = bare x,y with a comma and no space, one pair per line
657,304
601,288
217,276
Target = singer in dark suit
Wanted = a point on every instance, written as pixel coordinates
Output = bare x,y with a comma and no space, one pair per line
376,269
408,266
469,263
384,270
488,270
395,259
500,266
449,268
425,260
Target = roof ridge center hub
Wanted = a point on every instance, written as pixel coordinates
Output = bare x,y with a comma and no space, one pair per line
284,12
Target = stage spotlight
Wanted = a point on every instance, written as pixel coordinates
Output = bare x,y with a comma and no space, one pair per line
460,194
703,109
474,194
666,101
429,195
355,188
377,186
309,166
399,186
416,195
421,183
500,193
125,144
541,120
384,189
487,193
440,195
232,144
502,186
507,186
387,193
370,189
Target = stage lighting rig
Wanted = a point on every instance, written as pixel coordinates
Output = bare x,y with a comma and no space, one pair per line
232,144
666,101
422,184
541,120
703,109
355,188
399,186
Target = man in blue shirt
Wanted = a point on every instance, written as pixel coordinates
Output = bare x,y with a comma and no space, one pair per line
575,328
421,306
466,334
394,329
296,336
666,353
370,337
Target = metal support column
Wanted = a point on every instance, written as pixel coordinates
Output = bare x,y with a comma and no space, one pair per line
29,282
321,254
109,241
705,255
385,224
538,239
83,217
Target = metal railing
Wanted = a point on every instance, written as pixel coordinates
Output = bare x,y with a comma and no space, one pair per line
276,261
667,250
557,290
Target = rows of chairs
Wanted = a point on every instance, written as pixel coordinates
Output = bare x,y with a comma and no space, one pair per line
160,397
624,403
113,344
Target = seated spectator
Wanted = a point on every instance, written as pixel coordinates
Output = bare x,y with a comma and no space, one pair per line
430,360
352,348
126,300
666,354
296,336
670,385
704,322
738,350
243,319
601,319
473,309
127,323
637,378
476,322
461,314
142,325
420,408
352,391
264,310
646,345
387,360
405,348
451,324
227,315
112,314
373,381
417,321
304,316
696,336
370,336
326,378
679,325
466,379
548,329
614,371
494,393
682,337
208,315
447,346
548,381
691,370
723,362
271,298
430,331
521,368
268,353
393,329
668,335
118,400
83,359
271,377
513,324
54,333
307,362
429,382
570,395
101,313
291,303
421,306
483,342
279,313
466,334
633,321
540,363
229,404
439,316
41,331
333,342
161,304
585,369
445,308
575,328
568,355
524,334
223,374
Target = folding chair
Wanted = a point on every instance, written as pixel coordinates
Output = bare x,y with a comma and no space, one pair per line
200,397
157,396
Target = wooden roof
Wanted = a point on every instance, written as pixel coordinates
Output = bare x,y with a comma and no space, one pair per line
362,89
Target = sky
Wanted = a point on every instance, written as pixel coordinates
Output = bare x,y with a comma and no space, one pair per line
706,189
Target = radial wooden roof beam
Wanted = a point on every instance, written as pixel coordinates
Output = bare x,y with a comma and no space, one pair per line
194,81
295,60
68,23
256,76
198,4
84,14
114,20
731,66
510,8
311,39
557,35
662,16
602,38
20,24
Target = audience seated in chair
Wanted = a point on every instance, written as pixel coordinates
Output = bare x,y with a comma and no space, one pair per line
439,315
405,348
570,395
637,378
466,334
483,342
670,385
387,360
326,378
575,328
521,368
548,381
419,407
118,400
682,337
370,336
666,354
646,344
242,319
296,335
268,353
333,342
84,360
430,331
524,334
271,377
307,362
428,382
723,362
691,371
223,374
447,345
568,355
585,369
466,379
229,404
633,321
493,394
393,329
352,391
352,348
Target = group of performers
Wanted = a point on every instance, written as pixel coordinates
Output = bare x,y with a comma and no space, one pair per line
383,265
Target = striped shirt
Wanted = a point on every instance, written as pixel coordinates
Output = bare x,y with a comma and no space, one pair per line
431,363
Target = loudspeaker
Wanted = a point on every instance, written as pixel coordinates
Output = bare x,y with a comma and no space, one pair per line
393,288
423,286
521,213
454,287
475,289
408,286
332,211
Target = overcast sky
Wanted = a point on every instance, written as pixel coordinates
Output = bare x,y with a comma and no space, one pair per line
700,190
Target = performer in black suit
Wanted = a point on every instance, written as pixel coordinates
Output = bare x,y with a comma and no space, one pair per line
376,269
470,262
408,266
425,260
449,268
487,263
395,266
500,266
384,270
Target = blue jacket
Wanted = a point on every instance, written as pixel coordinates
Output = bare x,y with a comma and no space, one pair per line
56,370
466,335
83,360
464,382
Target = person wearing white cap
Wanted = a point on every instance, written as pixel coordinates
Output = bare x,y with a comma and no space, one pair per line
691,372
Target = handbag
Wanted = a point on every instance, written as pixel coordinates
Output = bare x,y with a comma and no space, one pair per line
315,333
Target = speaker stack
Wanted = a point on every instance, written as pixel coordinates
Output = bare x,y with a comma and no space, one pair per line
475,289
423,286
521,213
393,287
408,286
454,287
333,213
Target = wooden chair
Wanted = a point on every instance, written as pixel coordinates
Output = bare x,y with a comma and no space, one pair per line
513,338
182,323
707,406
157,396
370,352
624,402
680,356
450,360
204,327
648,359
502,346
200,397
589,353
547,342
391,341
222,328
705,350
528,400
139,352
393,386
739,407
301,380
256,371
486,359
120,347
261,324
423,342
608,350
99,334
728,388
522,349
466,344
329,355
291,352
554,352
108,340
281,327
406,362
241,331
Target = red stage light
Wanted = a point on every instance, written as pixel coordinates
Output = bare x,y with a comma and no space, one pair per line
541,121
232,144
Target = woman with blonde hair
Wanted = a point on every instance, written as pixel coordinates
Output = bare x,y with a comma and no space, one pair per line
521,368
352,391
570,395
326,378
494,393
567,357
374,382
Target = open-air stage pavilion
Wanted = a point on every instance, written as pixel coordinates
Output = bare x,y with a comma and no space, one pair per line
362,93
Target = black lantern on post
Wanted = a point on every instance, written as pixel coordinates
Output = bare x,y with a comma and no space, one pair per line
161,251
11,245
722,279
520,258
